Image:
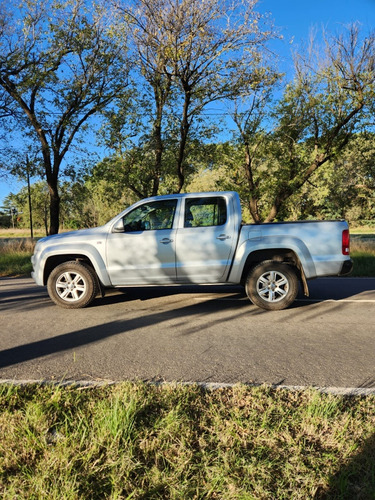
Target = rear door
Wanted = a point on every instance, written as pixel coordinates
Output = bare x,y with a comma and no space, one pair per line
205,240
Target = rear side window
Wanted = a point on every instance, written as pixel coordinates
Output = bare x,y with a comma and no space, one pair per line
204,212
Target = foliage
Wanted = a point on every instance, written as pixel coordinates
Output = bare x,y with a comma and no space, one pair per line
94,203
58,67
40,206
329,99
151,69
190,54
138,441
343,188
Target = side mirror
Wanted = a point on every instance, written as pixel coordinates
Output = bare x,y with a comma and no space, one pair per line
119,226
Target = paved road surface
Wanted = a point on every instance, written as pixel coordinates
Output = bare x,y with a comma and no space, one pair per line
206,334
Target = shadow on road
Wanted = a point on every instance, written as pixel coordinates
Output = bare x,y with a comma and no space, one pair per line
342,288
144,293
24,296
72,340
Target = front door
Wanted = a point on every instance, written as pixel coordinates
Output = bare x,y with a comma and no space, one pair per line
144,253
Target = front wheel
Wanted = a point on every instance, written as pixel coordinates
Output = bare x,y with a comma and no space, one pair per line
72,285
272,285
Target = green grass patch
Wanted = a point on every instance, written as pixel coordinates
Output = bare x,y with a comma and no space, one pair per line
17,264
15,257
363,255
139,441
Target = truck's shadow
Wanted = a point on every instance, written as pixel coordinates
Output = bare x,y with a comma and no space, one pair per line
143,293
29,297
320,290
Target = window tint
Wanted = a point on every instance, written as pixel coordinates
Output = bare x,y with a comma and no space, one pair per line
204,212
151,216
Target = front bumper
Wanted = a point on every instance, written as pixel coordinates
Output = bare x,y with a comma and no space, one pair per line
36,273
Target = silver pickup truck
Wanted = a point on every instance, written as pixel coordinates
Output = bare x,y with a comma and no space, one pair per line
191,238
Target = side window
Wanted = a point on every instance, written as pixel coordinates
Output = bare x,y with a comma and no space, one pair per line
151,216
204,212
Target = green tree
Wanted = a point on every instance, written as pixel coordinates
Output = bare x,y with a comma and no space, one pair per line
344,188
328,101
40,205
191,54
59,66
150,43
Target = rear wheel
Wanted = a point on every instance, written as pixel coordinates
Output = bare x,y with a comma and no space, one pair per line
72,285
272,285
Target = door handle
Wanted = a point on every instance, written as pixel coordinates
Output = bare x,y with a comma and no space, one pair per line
165,241
223,237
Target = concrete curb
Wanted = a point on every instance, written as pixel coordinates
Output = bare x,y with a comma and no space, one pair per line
337,391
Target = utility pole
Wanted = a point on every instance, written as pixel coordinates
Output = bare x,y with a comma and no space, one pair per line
29,194
13,212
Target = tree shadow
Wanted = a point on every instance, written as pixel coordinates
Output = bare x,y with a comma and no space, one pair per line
356,480
85,336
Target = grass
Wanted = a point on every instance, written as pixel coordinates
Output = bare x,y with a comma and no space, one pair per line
15,257
363,255
139,441
21,233
364,230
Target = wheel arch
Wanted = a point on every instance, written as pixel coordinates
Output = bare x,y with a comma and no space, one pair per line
56,258
282,255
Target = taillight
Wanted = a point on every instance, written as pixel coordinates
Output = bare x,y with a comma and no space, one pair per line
345,242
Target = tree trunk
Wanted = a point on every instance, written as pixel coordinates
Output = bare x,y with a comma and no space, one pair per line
253,199
184,132
54,209
158,154
254,212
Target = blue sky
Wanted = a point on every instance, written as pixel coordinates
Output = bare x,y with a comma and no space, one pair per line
295,19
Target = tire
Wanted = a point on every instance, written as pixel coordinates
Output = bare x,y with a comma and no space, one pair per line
72,285
272,285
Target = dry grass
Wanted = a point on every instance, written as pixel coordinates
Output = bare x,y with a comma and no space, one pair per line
15,245
20,233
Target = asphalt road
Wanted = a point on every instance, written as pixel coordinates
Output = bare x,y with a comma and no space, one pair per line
208,334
